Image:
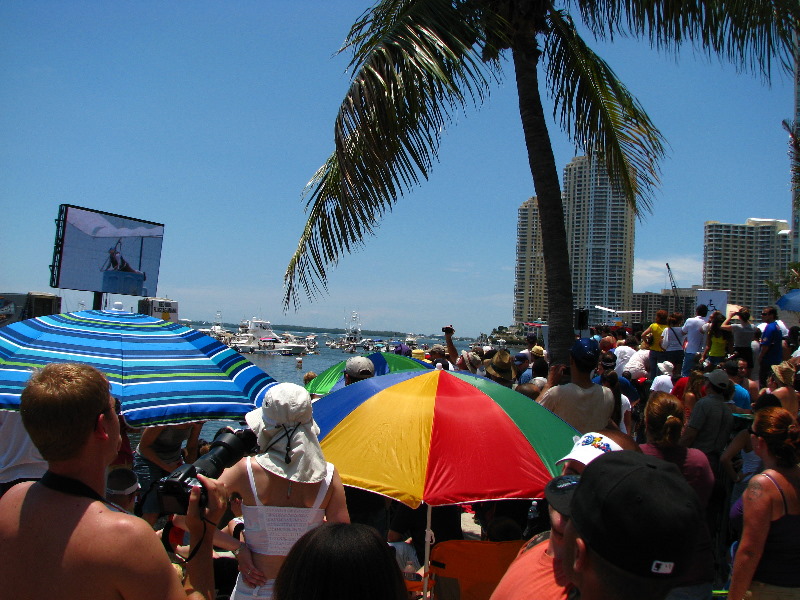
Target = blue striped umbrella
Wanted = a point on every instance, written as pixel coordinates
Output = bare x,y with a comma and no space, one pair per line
161,372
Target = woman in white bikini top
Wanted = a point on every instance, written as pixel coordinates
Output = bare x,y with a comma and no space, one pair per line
287,489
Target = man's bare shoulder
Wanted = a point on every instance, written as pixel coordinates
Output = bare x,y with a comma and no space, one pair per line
86,547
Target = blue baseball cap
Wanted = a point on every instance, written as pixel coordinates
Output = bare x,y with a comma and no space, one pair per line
585,351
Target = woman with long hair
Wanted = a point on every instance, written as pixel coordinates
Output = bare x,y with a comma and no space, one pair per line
287,489
767,559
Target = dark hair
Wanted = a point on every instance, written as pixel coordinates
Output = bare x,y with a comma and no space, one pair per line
340,561
608,358
503,529
717,319
539,367
702,310
766,401
744,314
779,430
731,367
675,319
771,310
661,317
663,417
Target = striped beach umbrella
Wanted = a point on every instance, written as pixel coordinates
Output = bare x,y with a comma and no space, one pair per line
441,437
161,372
332,378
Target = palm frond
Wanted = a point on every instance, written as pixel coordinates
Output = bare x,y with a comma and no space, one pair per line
415,63
750,34
599,113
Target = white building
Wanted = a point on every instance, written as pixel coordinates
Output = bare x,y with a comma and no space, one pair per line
740,258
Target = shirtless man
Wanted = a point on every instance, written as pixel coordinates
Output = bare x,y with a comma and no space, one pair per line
60,538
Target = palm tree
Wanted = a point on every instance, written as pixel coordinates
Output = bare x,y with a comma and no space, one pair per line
415,62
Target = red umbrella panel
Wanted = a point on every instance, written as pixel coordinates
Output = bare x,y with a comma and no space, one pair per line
441,437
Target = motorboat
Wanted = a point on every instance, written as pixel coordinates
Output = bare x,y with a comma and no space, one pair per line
257,335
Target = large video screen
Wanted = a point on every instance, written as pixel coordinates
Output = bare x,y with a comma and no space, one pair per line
103,252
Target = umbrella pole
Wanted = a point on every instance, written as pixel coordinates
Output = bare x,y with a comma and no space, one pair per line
427,569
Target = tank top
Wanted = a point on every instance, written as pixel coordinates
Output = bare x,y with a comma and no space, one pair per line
718,345
273,530
781,557
657,330
167,445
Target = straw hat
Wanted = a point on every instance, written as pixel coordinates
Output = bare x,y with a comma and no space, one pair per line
784,373
287,435
501,365
471,360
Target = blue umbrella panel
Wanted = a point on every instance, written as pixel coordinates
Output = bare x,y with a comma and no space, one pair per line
161,372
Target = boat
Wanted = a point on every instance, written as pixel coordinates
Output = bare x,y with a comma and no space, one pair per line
351,341
257,335
411,341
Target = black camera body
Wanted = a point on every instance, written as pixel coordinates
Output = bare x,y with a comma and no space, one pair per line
226,450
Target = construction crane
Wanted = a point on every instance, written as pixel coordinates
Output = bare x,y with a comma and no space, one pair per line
674,289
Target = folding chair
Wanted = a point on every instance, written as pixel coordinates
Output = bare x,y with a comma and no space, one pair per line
477,566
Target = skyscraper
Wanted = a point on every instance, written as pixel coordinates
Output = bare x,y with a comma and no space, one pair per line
740,258
600,235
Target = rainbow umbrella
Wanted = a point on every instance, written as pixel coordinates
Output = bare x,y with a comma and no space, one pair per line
441,437
332,378
161,372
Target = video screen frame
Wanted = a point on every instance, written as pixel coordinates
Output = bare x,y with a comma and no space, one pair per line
99,251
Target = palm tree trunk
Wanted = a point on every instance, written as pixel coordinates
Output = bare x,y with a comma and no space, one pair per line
548,194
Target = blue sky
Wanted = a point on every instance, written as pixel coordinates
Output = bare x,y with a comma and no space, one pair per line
210,118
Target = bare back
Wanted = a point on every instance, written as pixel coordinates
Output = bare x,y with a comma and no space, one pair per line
60,546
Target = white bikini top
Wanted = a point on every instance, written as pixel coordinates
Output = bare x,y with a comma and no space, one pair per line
273,530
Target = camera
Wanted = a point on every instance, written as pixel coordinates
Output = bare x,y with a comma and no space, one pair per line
226,450
448,330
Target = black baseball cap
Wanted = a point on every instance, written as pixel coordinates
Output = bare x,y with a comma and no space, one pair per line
638,513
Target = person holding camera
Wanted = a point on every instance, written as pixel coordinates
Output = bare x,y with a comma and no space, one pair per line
287,489
60,537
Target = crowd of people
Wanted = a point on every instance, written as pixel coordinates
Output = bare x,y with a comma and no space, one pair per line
683,478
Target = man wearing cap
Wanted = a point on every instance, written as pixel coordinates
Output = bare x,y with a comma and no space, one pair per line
438,353
711,421
537,571
365,507
632,529
521,366
358,368
60,537
583,404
